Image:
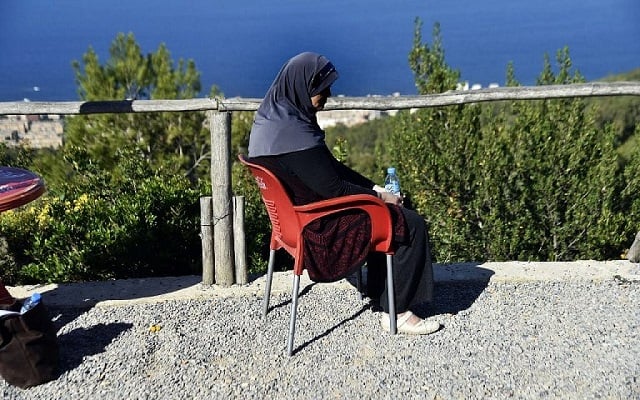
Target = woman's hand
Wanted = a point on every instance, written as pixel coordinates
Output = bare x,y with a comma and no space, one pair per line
390,198
387,197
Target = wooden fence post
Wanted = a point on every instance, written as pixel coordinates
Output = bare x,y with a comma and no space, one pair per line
634,252
220,126
206,237
239,244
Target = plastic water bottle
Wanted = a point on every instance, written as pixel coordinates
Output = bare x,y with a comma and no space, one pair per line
391,182
30,302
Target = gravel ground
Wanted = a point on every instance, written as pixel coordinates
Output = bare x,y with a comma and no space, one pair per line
564,340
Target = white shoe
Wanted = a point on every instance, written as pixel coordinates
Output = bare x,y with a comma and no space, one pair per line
423,327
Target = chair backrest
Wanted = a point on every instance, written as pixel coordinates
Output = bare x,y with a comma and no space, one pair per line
285,225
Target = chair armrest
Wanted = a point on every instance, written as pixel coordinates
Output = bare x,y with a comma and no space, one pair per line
338,203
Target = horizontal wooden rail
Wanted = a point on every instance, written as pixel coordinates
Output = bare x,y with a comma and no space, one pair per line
335,103
105,106
484,95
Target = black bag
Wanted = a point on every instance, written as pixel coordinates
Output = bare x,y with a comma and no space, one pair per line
29,351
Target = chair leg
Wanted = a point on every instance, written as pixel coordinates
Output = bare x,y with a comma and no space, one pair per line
393,323
359,282
294,310
267,287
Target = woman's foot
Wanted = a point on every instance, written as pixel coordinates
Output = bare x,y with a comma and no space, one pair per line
411,324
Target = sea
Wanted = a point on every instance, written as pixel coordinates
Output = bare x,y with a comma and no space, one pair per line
240,45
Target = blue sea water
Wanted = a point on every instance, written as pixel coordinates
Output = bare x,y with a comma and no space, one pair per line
240,45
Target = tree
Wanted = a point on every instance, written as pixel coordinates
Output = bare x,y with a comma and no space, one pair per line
178,139
434,149
534,180
548,186
430,71
119,203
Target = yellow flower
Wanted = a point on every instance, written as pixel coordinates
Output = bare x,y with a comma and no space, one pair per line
79,203
43,216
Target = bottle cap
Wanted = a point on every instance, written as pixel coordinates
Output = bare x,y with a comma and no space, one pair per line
391,170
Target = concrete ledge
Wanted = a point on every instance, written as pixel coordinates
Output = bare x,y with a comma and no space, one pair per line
523,271
149,290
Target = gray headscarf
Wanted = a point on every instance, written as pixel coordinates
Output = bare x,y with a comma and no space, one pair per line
286,120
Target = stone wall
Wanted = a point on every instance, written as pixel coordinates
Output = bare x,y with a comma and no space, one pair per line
35,131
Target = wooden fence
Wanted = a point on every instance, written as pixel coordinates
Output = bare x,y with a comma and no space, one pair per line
220,255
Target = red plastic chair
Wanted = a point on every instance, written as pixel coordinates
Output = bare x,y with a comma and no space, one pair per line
288,222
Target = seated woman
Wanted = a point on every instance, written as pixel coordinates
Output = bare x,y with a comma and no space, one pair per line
286,139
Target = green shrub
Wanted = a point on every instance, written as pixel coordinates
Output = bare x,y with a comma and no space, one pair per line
530,180
130,222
